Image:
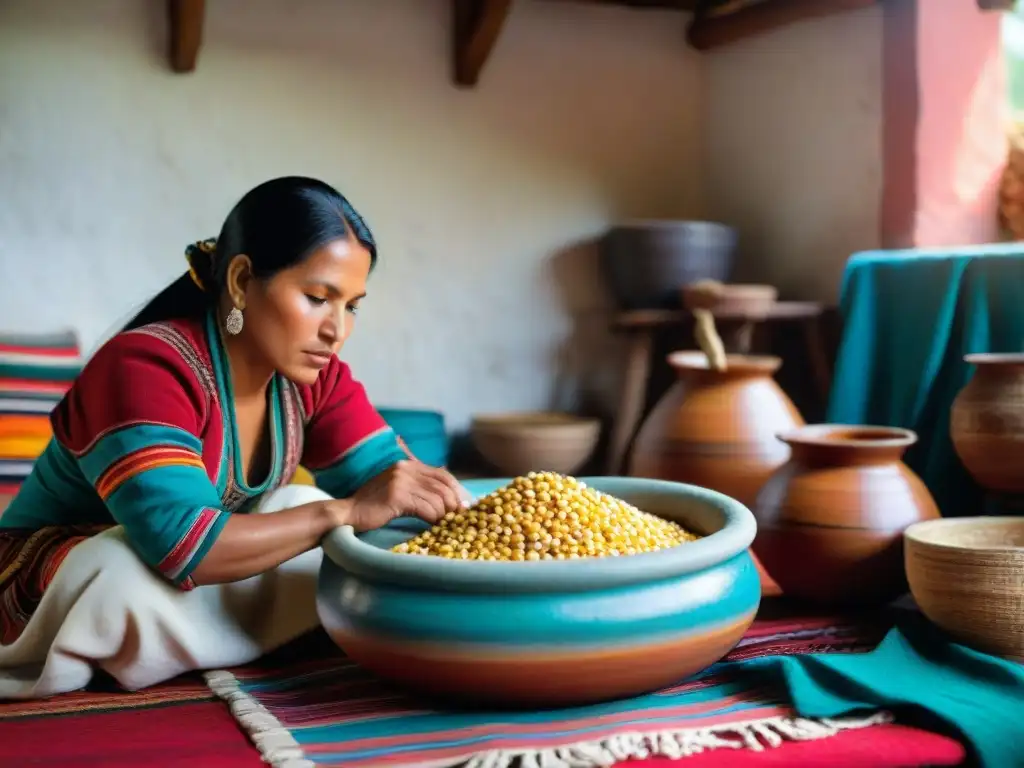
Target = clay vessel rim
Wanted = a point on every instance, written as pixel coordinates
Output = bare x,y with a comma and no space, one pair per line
995,358
667,223
733,539
732,289
920,533
846,435
532,420
695,360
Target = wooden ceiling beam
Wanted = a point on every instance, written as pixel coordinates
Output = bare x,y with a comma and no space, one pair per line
476,25
671,5
185,19
709,32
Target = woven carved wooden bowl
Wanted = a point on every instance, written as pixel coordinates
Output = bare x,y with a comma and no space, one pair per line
967,576
549,632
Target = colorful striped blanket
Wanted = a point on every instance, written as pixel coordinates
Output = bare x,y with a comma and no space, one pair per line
35,372
28,561
326,711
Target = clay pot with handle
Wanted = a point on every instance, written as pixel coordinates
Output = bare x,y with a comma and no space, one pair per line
717,428
987,422
831,520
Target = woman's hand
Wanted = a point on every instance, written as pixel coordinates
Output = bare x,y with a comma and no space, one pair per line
463,493
252,544
407,488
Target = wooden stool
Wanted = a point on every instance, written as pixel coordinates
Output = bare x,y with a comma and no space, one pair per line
640,327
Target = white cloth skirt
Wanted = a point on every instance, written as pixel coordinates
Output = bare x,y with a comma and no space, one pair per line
105,609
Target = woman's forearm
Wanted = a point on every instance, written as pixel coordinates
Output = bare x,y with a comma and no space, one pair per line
252,544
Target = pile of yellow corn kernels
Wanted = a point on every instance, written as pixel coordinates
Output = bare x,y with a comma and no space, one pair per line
546,516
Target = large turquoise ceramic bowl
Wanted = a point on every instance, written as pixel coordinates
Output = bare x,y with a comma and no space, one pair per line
547,633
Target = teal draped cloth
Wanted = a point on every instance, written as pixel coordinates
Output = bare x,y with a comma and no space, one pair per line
914,670
909,317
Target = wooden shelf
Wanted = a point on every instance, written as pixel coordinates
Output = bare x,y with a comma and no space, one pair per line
646,319
476,26
669,5
706,33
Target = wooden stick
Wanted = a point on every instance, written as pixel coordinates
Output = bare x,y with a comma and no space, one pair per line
708,339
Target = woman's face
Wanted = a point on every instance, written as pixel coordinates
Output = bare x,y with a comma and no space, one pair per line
302,316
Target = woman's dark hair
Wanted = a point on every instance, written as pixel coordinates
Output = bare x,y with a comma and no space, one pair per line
277,225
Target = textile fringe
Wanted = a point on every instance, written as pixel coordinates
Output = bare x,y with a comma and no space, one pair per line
276,745
756,735
280,750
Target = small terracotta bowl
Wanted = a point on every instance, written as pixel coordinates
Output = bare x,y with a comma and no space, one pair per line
518,443
547,633
967,576
733,298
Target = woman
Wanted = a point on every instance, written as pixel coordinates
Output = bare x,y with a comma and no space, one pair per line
128,548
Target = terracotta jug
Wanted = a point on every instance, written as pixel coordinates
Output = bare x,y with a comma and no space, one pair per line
830,521
987,422
717,428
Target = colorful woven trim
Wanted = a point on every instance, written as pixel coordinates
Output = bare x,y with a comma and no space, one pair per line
28,562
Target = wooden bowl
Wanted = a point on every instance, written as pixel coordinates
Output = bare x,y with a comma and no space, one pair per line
552,632
517,443
967,576
732,299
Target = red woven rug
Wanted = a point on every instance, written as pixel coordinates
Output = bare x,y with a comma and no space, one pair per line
181,724
326,711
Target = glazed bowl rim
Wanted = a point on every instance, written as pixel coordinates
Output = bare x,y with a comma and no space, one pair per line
653,223
994,358
915,533
819,434
521,419
736,535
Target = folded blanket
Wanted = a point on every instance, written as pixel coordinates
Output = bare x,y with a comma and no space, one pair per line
909,317
916,667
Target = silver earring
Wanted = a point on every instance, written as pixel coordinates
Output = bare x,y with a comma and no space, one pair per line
234,321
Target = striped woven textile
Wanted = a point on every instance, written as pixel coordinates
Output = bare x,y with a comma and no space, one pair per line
35,372
326,711
106,697
28,561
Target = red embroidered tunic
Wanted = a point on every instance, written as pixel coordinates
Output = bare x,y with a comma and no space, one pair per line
146,438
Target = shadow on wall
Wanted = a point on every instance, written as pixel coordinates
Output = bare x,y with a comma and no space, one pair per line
587,361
